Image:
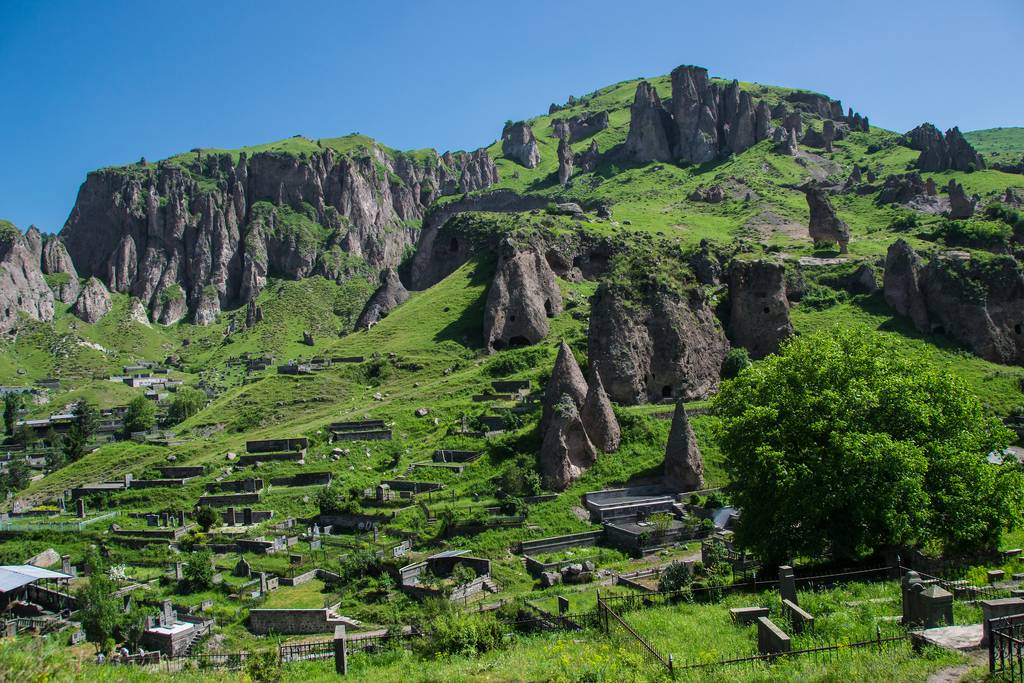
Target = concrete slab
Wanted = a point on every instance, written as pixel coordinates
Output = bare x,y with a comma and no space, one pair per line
958,638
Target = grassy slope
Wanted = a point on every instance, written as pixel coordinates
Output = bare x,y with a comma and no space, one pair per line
998,144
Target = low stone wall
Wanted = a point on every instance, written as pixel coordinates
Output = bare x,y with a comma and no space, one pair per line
229,499
414,486
556,543
357,426
284,456
291,621
271,445
299,579
304,479
155,483
376,435
181,471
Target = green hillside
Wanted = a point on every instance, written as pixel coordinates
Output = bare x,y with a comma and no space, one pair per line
1001,144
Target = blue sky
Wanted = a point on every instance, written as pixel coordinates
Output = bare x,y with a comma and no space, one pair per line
92,84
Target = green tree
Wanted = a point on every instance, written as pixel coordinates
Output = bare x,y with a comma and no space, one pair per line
17,477
12,404
82,428
841,444
736,361
100,611
186,403
206,517
140,416
198,570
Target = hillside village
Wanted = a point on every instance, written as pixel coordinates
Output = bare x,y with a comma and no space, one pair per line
323,407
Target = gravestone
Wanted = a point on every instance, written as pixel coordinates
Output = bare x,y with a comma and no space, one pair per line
150,622
229,516
205,605
294,558
152,520
787,584
179,575
563,605
930,606
242,569
996,575
168,615
770,638
165,519
799,620
315,544
247,516
65,565
80,508
316,531
747,615
340,655
181,518
263,583
77,636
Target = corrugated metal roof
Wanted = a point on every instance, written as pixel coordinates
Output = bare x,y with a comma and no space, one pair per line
17,575
448,553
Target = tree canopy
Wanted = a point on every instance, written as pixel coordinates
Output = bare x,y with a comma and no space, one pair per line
186,403
140,416
839,446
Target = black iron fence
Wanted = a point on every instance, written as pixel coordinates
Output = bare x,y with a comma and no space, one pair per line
612,623
301,652
1006,648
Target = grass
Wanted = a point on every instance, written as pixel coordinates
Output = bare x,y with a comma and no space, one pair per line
998,144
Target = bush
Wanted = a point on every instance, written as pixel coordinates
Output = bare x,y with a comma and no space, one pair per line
736,361
198,570
186,403
456,633
676,576
140,416
819,297
206,517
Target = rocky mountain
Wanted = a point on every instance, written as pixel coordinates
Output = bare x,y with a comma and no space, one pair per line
22,286
217,225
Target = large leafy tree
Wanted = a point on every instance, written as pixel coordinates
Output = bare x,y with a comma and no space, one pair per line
100,612
82,428
841,444
186,403
12,404
140,416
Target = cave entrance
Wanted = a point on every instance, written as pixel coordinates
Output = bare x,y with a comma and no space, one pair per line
453,245
666,391
518,342
767,310
1017,329
549,312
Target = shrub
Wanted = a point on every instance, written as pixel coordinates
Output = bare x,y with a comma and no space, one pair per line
736,361
140,416
198,570
456,633
676,576
186,403
206,517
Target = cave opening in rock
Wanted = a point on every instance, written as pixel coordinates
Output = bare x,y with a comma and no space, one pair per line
666,391
1017,328
547,309
518,342
453,246
767,310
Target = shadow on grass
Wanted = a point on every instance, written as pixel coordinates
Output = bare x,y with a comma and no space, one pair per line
467,329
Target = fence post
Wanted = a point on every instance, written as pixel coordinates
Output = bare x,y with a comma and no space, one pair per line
340,655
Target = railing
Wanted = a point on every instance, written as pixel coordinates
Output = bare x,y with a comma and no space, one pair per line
608,618
231,661
300,652
961,590
19,526
1006,647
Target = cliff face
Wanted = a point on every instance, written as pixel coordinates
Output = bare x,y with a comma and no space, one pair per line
213,222
22,287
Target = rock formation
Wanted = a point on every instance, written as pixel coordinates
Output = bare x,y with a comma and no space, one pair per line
824,224
581,126
170,306
712,195
22,287
566,380
759,310
254,313
206,310
943,153
389,295
665,345
522,296
977,303
93,301
34,242
599,418
784,140
56,261
566,452
684,467
565,159
217,221
706,265
828,133
649,127
901,189
589,159
960,205
519,144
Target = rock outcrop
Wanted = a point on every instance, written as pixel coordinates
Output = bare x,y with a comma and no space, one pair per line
712,195
57,262
519,144
649,127
565,161
34,242
784,140
93,301
902,188
22,287
684,466
824,225
254,313
566,452
589,159
566,380
759,310
522,296
960,205
578,127
977,303
214,220
706,265
137,312
943,152
665,345
170,306
598,417
389,295
206,310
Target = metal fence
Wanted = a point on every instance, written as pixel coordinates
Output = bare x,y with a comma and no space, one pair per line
613,623
961,590
1006,648
301,652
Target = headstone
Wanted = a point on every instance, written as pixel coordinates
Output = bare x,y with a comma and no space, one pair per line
340,655
747,615
295,558
80,508
167,615
151,622
179,575
315,544
247,516
787,584
65,565
181,518
799,620
229,516
205,605
128,480
563,605
936,606
242,569
316,531
165,519
996,575
770,638
263,582
152,520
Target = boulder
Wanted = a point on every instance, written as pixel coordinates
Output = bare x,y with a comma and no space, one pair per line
523,295
599,418
824,224
565,159
93,301
566,452
519,144
656,346
712,195
56,261
901,283
566,209
566,380
684,467
649,127
759,310
389,295
137,312
22,286
960,205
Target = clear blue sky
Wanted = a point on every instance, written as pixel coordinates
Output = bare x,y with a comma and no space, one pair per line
91,84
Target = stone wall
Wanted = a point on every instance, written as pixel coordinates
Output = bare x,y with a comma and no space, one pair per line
291,621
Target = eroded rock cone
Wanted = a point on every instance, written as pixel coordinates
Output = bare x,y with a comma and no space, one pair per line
389,295
599,418
960,205
207,308
566,452
253,313
566,380
824,224
565,160
901,283
943,152
589,159
137,312
684,467
759,309
56,260
93,301
649,127
34,242
478,171
522,296
695,109
519,144
122,266
828,134
22,287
